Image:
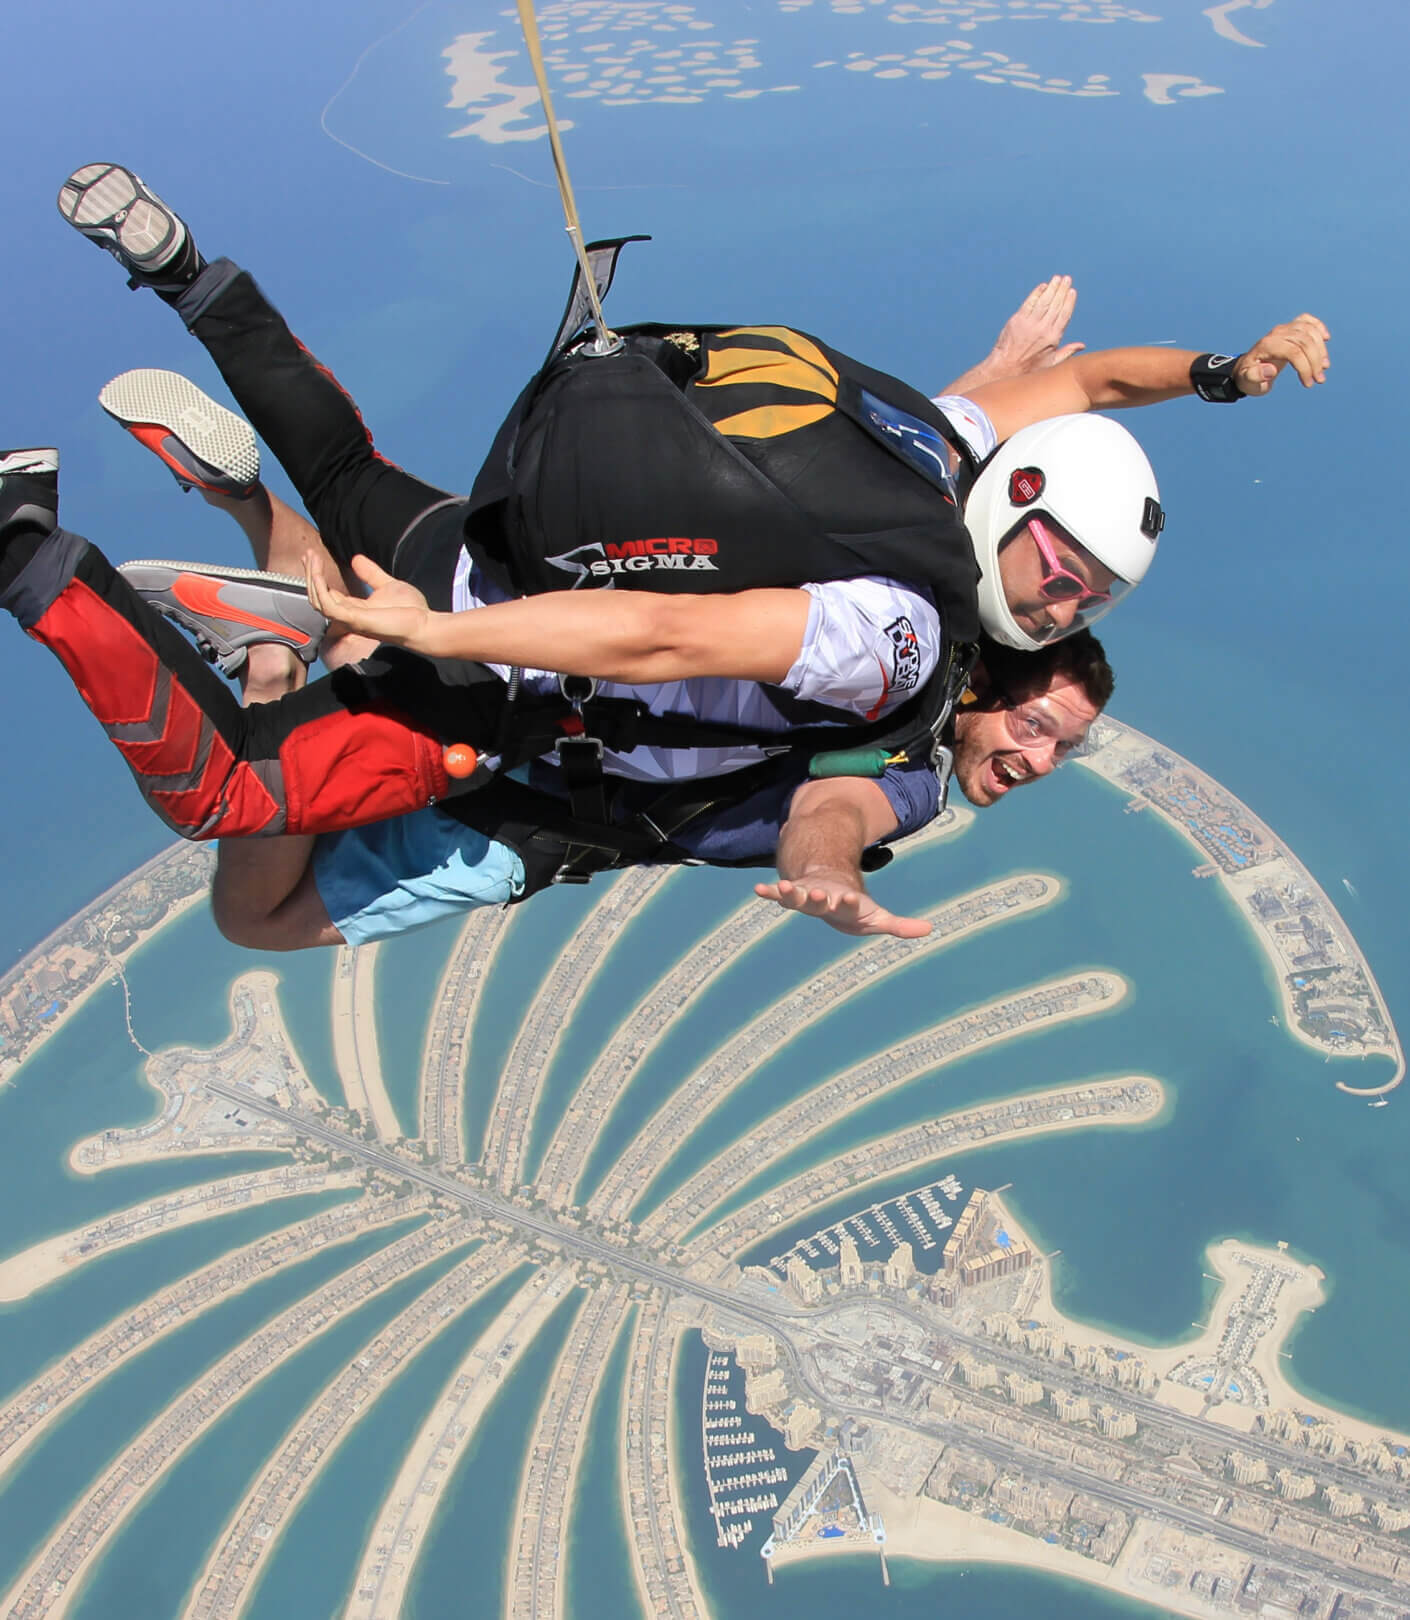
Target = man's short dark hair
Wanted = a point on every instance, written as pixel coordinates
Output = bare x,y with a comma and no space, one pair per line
1016,676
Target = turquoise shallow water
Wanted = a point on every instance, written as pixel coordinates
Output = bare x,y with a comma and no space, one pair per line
465,1560
405,994
536,935
597,1575
52,1477
161,1550
341,1510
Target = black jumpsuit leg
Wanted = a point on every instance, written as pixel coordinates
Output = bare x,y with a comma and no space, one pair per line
358,500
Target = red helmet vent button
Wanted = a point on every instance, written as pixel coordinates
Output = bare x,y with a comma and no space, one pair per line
1025,485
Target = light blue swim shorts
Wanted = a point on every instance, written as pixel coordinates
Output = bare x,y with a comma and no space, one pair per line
398,875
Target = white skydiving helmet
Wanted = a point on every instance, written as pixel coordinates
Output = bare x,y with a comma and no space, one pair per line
1087,475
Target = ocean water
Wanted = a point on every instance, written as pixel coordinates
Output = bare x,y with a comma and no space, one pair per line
465,1561
597,1578
55,1474
341,1510
160,1552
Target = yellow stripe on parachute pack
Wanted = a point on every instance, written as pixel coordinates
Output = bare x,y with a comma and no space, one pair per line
794,367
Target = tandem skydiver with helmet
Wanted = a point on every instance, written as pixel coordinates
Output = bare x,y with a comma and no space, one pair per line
772,508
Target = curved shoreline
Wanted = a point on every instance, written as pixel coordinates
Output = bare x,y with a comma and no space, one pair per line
1126,758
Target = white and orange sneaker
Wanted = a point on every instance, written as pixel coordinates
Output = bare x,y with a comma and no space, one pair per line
228,610
204,445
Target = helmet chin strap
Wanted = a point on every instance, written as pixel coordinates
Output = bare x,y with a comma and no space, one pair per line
605,342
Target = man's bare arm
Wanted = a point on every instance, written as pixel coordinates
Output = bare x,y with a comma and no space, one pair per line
820,849
640,637
1113,379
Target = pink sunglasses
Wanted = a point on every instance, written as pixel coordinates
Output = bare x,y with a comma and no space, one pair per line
1060,584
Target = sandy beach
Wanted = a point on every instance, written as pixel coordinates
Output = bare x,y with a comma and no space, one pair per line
388,1561
1121,746
549,1479
251,1534
730,1066
177,908
355,1049
445,1051
651,1484
42,1263
871,1164
107,1349
53,1579
798,1121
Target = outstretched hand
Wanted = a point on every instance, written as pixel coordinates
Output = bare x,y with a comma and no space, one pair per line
1301,344
836,899
394,612
1032,335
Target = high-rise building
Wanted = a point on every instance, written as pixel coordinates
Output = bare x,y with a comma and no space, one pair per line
901,1267
1294,1486
1343,1504
804,1281
852,1274
1070,1408
801,1425
1247,1470
1115,1424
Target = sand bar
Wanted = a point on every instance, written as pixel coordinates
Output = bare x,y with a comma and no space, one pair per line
566,983
251,1533
457,1001
1260,874
53,1579
30,1413
548,1482
355,1048
45,1262
758,1041
1022,1013
597,1095
398,1537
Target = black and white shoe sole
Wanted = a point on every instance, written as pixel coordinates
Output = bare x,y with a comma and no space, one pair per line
112,207
204,445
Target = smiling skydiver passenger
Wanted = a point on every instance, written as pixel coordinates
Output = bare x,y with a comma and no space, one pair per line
753,461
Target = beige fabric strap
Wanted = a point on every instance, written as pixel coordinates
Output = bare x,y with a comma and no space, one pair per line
560,164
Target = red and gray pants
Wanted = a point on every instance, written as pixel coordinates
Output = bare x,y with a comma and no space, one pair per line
361,745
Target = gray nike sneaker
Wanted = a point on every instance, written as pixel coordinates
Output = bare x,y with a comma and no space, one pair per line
113,209
205,446
230,609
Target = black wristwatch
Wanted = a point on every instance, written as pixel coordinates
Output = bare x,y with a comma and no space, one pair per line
1212,378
